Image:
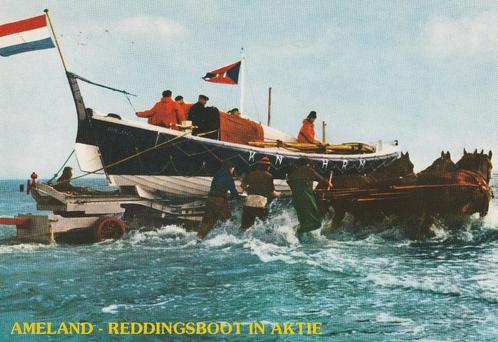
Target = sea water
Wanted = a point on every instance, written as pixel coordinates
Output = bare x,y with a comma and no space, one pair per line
361,283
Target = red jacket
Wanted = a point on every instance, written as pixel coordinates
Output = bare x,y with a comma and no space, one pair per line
164,113
183,109
307,133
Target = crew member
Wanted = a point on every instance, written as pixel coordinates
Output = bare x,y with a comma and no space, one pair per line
258,184
301,181
197,114
217,202
164,113
183,108
307,132
234,111
63,183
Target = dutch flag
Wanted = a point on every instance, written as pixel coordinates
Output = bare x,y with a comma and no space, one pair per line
25,35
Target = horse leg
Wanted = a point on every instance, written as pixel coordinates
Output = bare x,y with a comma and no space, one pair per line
423,227
339,214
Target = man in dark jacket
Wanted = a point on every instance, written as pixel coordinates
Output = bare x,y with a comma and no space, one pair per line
217,207
207,119
258,184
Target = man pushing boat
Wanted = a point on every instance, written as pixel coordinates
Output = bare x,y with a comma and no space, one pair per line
217,207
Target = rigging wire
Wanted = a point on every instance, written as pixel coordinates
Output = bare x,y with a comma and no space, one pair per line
129,157
131,104
60,169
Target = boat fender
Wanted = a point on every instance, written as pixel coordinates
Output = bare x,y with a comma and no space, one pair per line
115,116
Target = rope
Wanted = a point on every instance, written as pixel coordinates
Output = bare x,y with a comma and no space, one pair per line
128,158
101,85
57,173
131,104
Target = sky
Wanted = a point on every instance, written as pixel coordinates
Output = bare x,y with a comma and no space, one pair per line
422,72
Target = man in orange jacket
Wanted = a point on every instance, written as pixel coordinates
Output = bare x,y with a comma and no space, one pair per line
164,113
183,108
307,132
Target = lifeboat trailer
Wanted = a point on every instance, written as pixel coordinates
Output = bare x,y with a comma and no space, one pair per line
87,217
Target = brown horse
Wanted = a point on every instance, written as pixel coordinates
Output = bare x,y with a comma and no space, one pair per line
399,172
477,162
440,167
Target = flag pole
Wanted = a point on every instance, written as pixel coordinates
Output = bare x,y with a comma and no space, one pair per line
55,38
242,67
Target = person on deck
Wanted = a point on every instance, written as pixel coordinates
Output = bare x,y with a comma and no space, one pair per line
301,181
164,113
197,114
183,108
217,207
258,184
63,183
234,111
307,132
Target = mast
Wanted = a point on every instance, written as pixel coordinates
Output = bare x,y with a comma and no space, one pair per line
269,106
242,67
324,132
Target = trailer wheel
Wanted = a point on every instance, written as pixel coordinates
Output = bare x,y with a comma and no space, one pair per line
108,227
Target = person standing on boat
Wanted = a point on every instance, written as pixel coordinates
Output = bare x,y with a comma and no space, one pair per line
234,111
164,113
307,132
217,207
260,189
183,108
197,114
301,181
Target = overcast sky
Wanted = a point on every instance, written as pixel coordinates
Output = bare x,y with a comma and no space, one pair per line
422,72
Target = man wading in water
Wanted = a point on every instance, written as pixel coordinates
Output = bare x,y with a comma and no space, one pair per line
258,184
217,207
303,198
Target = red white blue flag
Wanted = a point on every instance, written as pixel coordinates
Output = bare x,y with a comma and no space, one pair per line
25,35
228,74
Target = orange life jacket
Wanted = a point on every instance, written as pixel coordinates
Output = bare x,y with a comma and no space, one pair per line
307,133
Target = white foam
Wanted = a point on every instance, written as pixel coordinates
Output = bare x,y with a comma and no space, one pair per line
112,309
222,240
22,248
424,283
387,318
268,252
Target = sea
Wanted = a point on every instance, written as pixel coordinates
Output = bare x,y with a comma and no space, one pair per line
359,283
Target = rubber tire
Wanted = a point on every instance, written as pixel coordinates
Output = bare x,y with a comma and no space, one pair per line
108,227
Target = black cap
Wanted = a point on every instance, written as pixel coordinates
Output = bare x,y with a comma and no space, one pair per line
178,98
312,115
167,93
203,97
227,165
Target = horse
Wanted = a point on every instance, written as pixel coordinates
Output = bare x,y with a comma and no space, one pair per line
399,172
440,167
477,162
464,189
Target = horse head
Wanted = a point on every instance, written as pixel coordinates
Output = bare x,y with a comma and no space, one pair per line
440,166
400,167
476,162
